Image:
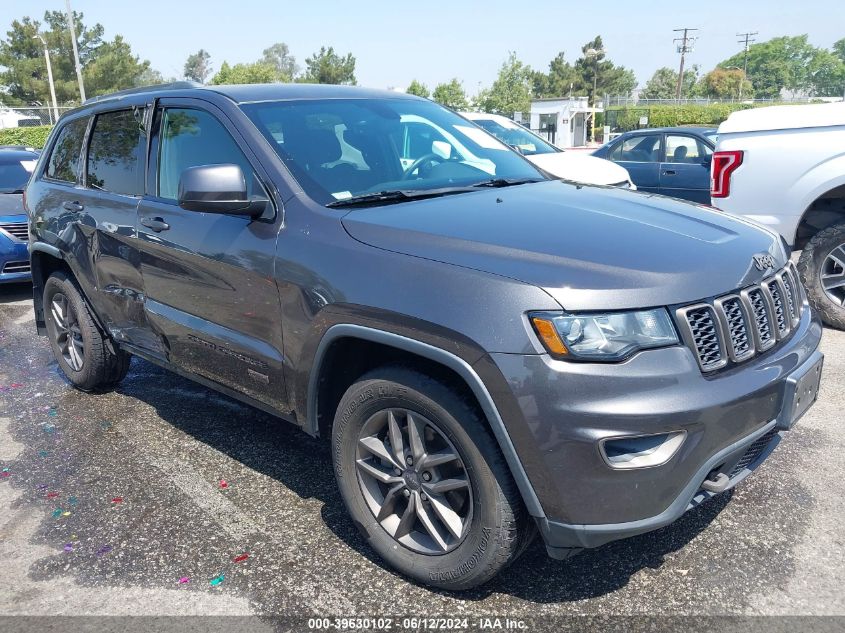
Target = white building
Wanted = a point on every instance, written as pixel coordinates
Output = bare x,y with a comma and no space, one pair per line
566,122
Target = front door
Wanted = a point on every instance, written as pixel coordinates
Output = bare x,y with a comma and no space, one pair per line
685,170
640,155
208,278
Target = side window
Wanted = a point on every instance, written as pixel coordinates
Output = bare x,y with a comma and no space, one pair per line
682,149
189,138
116,152
638,149
64,159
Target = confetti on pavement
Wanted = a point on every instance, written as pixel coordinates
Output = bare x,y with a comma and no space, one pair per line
43,453
217,580
117,500
68,547
105,549
223,484
72,500
52,495
57,513
184,580
240,558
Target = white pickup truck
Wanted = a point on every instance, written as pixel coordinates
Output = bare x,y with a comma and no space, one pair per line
784,166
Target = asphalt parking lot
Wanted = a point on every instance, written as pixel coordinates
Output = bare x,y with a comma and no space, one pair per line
139,502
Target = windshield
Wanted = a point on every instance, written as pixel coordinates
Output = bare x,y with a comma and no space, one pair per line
517,136
340,149
15,174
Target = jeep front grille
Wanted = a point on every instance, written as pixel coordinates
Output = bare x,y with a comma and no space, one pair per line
736,327
16,229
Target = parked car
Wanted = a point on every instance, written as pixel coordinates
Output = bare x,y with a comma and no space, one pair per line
16,165
12,118
802,198
574,166
672,161
490,353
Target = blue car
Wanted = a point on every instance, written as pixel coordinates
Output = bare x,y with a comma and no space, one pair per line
16,165
673,161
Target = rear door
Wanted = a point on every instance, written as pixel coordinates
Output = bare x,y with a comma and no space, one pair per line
640,155
209,290
685,170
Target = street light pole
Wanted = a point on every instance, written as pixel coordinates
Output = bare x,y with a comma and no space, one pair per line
49,76
594,53
75,50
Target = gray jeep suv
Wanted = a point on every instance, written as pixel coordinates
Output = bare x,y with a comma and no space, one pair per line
491,353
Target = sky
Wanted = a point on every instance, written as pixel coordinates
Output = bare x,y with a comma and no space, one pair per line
395,42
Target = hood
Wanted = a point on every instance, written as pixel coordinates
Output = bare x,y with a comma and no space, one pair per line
581,168
12,204
591,248
784,118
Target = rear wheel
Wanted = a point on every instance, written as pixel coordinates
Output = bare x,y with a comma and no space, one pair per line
86,355
822,268
424,480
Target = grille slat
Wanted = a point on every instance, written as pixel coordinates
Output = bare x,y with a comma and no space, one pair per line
738,326
753,452
16,267
19,230
705,336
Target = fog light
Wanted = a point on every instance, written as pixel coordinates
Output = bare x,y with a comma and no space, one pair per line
641,451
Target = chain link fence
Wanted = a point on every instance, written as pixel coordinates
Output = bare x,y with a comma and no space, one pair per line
29,117
610,100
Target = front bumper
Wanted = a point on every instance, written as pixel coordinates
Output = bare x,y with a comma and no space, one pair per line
568,408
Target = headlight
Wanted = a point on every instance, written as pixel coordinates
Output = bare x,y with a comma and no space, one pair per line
603,337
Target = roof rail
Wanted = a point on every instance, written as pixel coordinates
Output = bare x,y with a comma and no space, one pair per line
176,85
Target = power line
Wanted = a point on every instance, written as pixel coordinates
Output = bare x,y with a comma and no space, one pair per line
687,45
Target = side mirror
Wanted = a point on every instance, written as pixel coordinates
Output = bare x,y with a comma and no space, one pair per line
218,189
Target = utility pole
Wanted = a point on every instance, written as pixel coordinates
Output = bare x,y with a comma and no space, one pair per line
55,116
746,40
686,45
75,50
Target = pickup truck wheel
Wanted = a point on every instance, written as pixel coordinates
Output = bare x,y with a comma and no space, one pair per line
822,269
424,481
87,356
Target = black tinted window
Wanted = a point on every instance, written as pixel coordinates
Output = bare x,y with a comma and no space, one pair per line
116,152
64,160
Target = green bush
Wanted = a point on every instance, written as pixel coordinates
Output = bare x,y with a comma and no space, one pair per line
674,115
29,136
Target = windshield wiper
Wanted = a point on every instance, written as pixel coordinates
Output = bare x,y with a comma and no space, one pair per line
396,195
505,182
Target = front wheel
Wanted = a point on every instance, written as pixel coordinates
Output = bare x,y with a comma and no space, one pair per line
424,480
86,355
822,269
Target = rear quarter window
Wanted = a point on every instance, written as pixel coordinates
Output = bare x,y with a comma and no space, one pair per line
63,163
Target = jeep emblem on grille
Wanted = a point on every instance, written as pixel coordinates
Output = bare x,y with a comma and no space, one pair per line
763,261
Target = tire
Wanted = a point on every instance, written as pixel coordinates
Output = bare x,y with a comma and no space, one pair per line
86,355
819,258
495,526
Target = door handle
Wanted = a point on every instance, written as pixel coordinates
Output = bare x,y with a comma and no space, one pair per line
74,206
155,224
668,172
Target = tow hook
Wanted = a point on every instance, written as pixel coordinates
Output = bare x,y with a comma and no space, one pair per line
720,484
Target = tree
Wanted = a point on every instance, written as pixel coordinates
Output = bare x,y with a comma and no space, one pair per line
825,75
511,92
418,89
560,80
198,66
254,73
782,63
451,95
838,49
114,68
327,67
664,84
24,76
593,69
278,55
721,83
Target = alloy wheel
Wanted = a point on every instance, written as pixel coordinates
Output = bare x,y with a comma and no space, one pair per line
414,481
832,275
68,336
